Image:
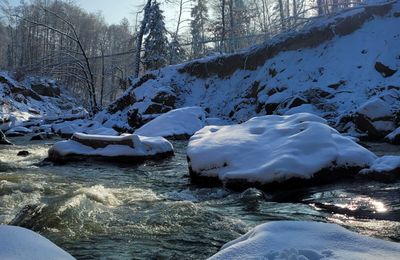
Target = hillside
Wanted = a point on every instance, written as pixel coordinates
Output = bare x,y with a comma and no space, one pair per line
331,68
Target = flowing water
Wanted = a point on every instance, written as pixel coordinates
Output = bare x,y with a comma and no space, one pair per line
151,211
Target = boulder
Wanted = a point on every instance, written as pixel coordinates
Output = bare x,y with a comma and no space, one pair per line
156,108
21,243
46,90
306,240
128,149
165,98
272,152
176,124
394,137
23,153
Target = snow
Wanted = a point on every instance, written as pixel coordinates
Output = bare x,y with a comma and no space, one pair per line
18,129
84,126
23,244
182,121
384,164
273,148
347,61
392,136
375,108
306,240
142,146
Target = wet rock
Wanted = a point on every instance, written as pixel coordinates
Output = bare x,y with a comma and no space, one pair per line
23,153
384,70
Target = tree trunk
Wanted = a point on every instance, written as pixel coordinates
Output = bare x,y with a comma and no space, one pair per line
140,40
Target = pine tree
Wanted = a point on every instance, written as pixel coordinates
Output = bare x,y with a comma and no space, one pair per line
198,26
156,43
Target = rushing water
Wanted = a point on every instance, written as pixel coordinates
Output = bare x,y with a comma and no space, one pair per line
151,211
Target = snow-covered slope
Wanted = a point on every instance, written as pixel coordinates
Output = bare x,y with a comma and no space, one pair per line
331,68
34,101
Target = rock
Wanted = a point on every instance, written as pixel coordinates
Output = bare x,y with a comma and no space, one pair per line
297,101
128,149
23,153
46,90
165,98
375,117
306,240
41,136
176,124
156,108
384,70
22,243
122,103
18,131
335,86
273,152
25,92
3,139
394,137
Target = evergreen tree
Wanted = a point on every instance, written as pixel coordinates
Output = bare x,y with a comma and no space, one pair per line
198,27
156,43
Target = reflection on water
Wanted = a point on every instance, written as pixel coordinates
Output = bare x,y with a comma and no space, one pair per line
97,210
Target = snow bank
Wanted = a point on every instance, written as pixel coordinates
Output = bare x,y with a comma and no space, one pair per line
20,243
128,146
273,148
176,123
384,164
306,240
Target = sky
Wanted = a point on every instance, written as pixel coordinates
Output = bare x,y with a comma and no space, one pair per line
114,10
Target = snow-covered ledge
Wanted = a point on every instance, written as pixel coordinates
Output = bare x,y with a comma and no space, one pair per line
271,150
306,240
128,148
24,244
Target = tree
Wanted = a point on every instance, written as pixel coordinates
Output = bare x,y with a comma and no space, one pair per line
156,42
198,26
139,37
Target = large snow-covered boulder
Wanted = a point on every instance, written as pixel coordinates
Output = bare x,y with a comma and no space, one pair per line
176,124
128,148
306,240
274,149
24,244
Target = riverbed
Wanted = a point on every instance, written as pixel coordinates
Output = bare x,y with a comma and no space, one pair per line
98,210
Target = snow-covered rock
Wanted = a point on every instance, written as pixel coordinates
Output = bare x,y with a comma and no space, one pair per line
306,240
273,149
68,128
386,164
23,244
127,148
17,131
33,101
394,137
177,124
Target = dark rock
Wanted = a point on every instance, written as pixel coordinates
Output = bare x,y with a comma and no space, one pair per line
364,124
253,90
46,90
165,98
337,85
273,91
297,101
272,72
156,108
270,108
122,103
142,80
23,153
135,119
25,92
393,138
384,70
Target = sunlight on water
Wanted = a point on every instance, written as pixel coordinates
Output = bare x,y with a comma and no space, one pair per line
364,202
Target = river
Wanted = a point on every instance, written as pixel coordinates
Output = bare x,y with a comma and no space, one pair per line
96,210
